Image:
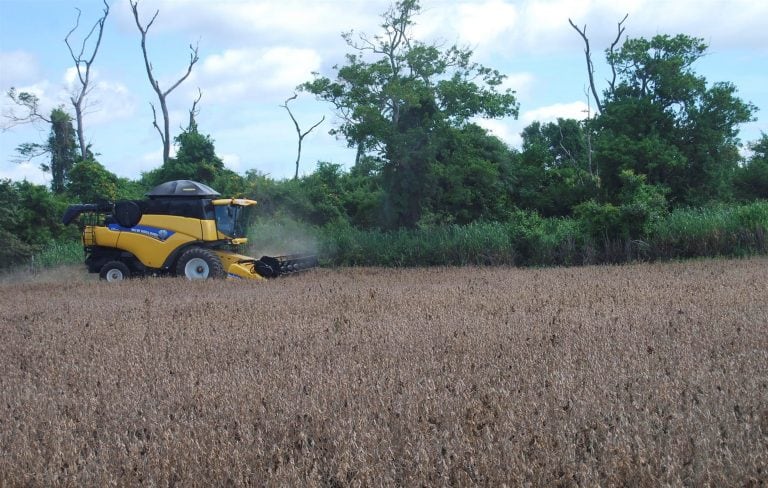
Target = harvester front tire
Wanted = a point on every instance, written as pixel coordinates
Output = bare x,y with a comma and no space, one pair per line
114,271
199,263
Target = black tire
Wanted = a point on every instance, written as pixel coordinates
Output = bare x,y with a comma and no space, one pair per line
199,263
127,213
114,271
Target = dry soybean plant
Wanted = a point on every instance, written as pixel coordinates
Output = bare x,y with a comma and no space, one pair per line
638,375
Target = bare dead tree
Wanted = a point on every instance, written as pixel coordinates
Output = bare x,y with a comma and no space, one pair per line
590,65
571,158
594,171
619,32
194,111
83,65
588,56
300,134
162,95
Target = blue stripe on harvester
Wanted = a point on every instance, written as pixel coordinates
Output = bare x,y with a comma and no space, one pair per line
145,230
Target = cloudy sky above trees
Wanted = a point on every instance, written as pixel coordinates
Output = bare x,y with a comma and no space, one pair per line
254,53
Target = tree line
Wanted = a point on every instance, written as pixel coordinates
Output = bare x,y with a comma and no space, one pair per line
661,138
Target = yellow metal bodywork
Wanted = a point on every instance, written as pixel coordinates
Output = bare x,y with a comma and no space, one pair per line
238,265
94,235
240,202
153,252
155,238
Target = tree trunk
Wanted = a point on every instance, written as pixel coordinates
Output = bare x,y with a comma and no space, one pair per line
165,132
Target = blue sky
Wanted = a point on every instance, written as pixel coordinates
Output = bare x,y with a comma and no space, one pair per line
253,54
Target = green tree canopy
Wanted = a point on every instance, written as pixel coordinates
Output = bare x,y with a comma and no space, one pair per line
60,148
471,178
195,159
662,120
89,181
555,170
751,181
396,97
13,250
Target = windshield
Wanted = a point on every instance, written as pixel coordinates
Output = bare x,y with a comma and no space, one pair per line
228,220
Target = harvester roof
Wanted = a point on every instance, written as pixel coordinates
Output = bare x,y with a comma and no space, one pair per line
182,189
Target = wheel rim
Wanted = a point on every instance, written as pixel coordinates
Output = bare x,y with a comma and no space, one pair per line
196,269
114,274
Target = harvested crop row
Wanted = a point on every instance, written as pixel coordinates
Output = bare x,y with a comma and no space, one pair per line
642,374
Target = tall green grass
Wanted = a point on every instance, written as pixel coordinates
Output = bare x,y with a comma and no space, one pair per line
712,231
530,240
57,253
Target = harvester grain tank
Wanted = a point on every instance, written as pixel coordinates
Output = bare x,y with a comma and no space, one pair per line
182,228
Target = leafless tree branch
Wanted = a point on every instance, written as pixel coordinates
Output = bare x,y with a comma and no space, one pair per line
301,135
83,66
154,123
161,95
619,31
588,55
594,172
194,111
590,66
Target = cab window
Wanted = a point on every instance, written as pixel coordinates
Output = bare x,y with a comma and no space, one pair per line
228,220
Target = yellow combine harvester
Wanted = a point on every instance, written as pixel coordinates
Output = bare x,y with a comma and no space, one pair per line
183,228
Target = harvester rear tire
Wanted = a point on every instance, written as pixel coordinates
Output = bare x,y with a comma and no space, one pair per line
199,263
114,271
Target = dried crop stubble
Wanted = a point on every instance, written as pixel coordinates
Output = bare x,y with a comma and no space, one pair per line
640,375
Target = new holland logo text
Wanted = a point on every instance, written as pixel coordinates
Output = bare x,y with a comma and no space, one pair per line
153,232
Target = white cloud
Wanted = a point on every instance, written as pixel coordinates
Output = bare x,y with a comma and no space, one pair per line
502,129
550,113
25,171
541,26
236,74
231,161
109,102
18,67
520,83
724,24
264,21
70,78
148,161
501,26
548,17
508,130
481,23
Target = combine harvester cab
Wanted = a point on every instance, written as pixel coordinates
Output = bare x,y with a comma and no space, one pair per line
183,228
